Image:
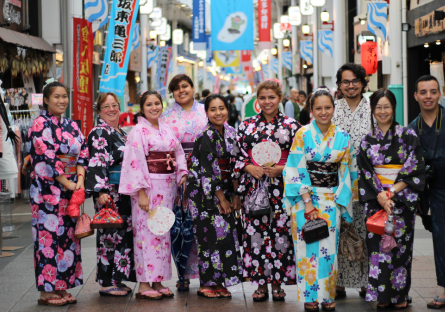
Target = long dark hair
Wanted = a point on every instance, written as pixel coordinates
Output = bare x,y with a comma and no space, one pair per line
144,97
210,98
375,98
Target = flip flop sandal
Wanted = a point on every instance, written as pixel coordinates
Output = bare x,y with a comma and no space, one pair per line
47,301
149,292
67,297
401,307
107,293
311,307
201,293
324,306
186,286
434,305
260,292
224,291
122,286
341,294
277,297
166,290
384,307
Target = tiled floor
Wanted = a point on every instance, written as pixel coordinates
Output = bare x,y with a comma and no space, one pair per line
18,292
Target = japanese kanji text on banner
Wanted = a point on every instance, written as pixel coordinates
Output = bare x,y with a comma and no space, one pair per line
264,24
82,74
117,54
162,72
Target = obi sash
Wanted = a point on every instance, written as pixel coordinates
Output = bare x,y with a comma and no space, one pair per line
282,162
70,163
224,167
161,162
387,174
115,174
323,174
187,147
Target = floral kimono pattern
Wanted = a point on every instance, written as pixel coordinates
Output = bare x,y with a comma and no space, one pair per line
57,258
114,246
152,253
267,244
218,247
317,262
187,126
390,272
357,124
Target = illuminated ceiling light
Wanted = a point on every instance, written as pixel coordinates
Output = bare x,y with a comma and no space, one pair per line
362,21
183,5
153,34
274,51
200,63
180,59
438,42
304,66
137,79
286,43
426,45
305,29
162,43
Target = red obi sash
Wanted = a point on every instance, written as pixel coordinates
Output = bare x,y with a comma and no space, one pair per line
282,162
161,162
224,167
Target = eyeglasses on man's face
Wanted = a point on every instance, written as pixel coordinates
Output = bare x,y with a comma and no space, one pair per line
346,83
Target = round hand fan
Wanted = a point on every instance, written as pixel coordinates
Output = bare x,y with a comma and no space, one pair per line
266,153
160,220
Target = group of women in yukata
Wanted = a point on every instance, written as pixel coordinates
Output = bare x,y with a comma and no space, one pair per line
191,145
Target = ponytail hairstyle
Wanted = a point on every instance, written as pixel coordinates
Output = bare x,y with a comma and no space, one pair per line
48,89
144,97
321,91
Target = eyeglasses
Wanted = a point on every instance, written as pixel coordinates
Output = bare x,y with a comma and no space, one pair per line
346,83
107,107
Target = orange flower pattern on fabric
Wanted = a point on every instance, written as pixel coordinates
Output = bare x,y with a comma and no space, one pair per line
303,266
310,276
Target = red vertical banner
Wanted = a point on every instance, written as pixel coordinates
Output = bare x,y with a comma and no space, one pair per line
83,74
264,24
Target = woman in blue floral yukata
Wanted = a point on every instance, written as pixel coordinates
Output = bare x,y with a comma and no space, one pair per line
392,173
212,201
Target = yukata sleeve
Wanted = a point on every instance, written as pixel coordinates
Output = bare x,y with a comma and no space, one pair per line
368,184
242,159
296,177
343,195
181,161
84,154
100,148
44,160
134,173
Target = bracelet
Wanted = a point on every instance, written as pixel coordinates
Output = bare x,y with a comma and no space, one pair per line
80,175
306,214
65,185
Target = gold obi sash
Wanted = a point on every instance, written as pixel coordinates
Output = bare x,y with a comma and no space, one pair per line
387,174
70,163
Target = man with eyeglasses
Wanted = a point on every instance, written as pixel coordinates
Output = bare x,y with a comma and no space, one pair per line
353,114
431,132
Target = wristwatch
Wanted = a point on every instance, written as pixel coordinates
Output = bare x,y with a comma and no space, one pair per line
392,190
307,200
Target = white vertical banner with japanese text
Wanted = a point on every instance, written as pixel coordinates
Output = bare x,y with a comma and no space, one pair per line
117,54
162,71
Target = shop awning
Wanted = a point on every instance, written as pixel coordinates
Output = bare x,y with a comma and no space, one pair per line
25,41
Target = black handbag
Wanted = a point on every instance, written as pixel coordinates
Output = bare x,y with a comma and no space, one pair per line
258,203
315,230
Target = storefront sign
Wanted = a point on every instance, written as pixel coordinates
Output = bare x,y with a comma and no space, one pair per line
37,99
369,57
306,7
162,70
199,25
294,15
284,21
426,25
264,24
82,74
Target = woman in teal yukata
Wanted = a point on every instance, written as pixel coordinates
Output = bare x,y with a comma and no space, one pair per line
318,184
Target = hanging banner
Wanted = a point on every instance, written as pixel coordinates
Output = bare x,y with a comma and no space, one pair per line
236,70
287,60
96,11
306,50
264,24
83,74
199,25
377,18
326,41
217,84
209,53
232,24
162,70
226,58
274,65
136,38
152,55
246,58
368,57
117,54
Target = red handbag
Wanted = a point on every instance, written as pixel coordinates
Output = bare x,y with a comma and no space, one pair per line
107,218
83,225
376,223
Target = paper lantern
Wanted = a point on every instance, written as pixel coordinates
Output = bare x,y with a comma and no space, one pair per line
369,57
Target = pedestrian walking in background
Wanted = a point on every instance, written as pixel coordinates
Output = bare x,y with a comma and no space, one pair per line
392,173
205,93
353,114
267,245
186,118
431,133
153,167
59,155
306,114
291,107
114,247
212,202
233,112
318,185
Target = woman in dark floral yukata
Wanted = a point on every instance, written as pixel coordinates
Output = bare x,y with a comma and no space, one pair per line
114,246
392,173
59,155
210,190
267,240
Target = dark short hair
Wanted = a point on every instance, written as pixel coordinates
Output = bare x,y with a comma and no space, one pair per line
205,93
48,90
231,98
375,98
358,71
301,92
210,98
321,91
427,78
144,97
176,80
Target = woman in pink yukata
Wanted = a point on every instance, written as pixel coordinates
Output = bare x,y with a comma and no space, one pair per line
187,118
151,182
